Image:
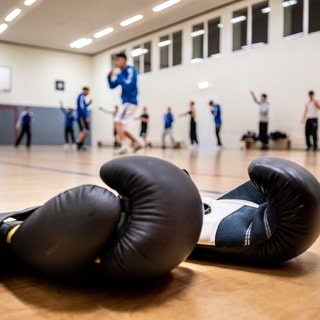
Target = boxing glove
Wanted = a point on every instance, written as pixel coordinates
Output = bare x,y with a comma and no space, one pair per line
272,218
142,232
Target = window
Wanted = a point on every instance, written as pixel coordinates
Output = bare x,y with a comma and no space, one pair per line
164,51
177,48
170,50
293,17
314,15
260,22
147,57
239,22
214,27
142,57
197,41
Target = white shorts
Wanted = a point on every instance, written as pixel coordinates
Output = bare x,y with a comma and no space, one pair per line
125,113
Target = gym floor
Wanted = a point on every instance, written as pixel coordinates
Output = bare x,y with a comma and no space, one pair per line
193,290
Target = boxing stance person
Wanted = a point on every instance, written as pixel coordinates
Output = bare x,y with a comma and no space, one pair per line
272,218
89,233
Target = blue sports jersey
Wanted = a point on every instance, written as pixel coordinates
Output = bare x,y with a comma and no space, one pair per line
168,119
216,112
69,117
82,106
25,118
127,79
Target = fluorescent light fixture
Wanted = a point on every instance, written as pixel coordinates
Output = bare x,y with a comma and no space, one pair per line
197,33
3,27
203,85
266,10
164,43
238,19
196,60
289,3
131,20
80,43
165,5
12,15
103,32
29,2
138,52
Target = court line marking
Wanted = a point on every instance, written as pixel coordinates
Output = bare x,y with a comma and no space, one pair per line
48,169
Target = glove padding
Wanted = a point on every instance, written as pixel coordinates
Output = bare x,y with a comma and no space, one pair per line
90,233
272,218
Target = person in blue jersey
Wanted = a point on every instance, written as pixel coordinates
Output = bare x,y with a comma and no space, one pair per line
24,126
68,124
168,119
83,116
126,77
215,109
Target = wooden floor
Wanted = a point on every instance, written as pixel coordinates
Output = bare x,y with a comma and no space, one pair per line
193,290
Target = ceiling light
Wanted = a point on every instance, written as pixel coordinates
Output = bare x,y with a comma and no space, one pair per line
289,3
164,43
197,33
103,32
12,15
165,5
80,43
3,27
266,10
238,19
138,52
29,2
131,20
203,85
196,60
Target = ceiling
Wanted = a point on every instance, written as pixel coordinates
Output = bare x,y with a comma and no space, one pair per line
54,24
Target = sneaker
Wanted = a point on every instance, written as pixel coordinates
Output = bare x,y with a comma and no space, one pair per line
136,146
123,150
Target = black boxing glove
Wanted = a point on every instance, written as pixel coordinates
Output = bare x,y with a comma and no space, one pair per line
89,232
273,217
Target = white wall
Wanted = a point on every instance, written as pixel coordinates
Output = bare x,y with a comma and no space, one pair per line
35,71
284,69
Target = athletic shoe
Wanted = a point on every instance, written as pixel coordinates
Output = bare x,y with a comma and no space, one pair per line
123,150
136,146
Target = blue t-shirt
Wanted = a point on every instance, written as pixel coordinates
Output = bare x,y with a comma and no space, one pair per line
69,117
216,112
168,119
82,106
25,118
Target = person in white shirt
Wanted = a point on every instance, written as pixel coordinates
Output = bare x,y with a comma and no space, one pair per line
263,119
310,118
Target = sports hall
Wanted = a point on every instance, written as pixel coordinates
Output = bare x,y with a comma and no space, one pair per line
209,50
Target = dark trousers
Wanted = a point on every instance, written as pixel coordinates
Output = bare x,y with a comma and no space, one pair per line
218,127
69,132
193,132
263,133
311,129
24,130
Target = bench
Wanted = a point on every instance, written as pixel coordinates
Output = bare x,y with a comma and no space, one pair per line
250,142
